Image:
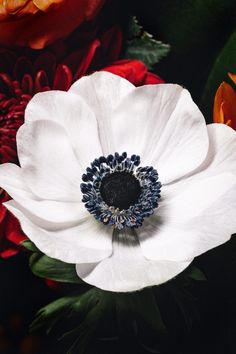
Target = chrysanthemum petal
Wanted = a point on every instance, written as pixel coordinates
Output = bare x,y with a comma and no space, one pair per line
163,125
127,269
103,92
88,241
72,112
50,167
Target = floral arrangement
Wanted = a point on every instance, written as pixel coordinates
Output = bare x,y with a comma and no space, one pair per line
112,184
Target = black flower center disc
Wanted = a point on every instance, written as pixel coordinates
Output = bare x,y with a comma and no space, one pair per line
120,189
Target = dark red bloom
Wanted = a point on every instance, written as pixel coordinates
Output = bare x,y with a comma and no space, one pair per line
21,78
11,234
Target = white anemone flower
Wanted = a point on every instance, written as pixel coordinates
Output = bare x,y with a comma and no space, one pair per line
128,184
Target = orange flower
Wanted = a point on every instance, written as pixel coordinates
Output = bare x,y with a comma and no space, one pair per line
37,23
225,104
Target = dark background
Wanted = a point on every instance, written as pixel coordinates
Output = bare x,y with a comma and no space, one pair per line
196,31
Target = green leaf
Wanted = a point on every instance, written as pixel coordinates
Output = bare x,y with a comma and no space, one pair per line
142,46
85,332
142,307
78,317
186,302
30,246
65,307
51,311
225,62
135,30
196,274
50,268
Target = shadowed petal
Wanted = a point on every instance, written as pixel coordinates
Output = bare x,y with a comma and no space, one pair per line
127,269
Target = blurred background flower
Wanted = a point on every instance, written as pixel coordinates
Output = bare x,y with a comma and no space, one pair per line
37,23
21,76
11,234
225,103
135,71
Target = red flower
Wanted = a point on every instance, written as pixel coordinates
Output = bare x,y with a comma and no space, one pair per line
22,78
11,234
38,23
135,71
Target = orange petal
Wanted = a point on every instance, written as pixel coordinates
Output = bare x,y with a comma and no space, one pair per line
225,105
44,27
12,6
43,5
232,77
13,9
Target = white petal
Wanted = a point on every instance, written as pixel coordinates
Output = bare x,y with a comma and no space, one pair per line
103,92
72,112
163,125
222,152
199,212
126,269
52,215
196,220
50,167
12,180
89,241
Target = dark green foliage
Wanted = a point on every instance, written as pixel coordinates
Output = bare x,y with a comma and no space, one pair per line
142,46
46,267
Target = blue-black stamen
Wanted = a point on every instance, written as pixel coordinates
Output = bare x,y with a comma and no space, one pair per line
118,193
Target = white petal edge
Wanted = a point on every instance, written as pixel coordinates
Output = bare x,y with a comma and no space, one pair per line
50,167
54,212
74,115
90,241
197,213
163,125
12,180
222,150
126,269
163,237
103,91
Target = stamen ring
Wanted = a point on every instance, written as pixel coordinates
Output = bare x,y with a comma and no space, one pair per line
119,193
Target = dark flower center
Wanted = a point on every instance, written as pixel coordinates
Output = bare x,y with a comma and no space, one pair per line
119,193
120,189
